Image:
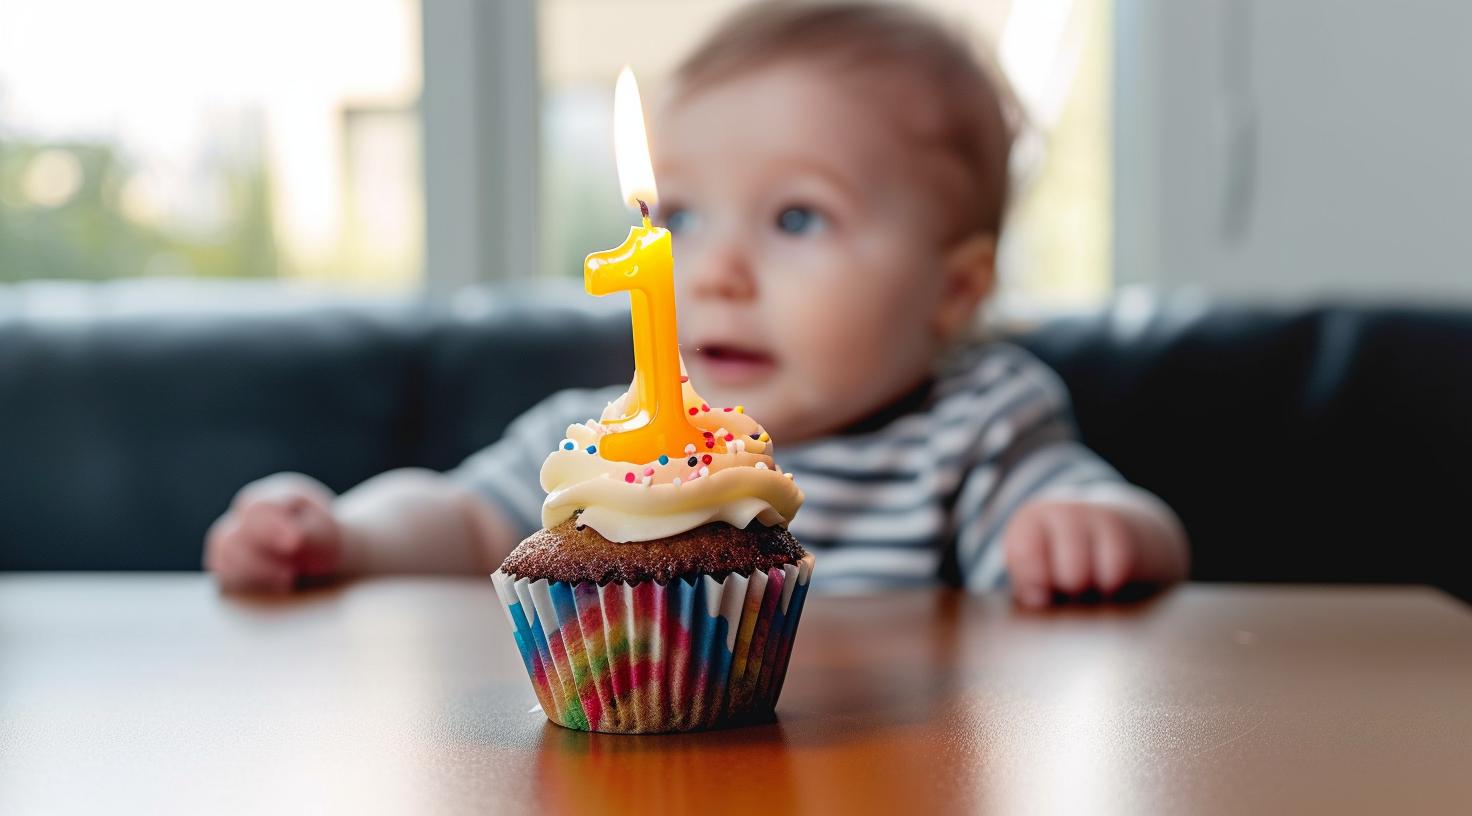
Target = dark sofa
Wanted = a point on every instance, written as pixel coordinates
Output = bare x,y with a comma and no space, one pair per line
1305,444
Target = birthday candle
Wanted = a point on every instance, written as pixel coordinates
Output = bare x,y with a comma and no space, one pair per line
643,265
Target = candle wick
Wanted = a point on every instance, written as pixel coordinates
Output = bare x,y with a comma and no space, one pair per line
643,208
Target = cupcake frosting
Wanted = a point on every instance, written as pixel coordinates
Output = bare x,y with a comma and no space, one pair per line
731,477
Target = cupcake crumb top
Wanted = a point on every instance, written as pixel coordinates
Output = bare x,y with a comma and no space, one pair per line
573,554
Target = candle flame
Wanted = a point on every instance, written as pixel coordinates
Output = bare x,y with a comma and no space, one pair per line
631,144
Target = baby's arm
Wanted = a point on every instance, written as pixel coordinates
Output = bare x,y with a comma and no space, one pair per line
1103,537
420,521
1062,520
287,528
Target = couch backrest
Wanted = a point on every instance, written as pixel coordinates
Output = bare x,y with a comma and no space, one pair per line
1314,444
1311,444
124,433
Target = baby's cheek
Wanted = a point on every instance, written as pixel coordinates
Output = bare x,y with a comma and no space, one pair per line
843,351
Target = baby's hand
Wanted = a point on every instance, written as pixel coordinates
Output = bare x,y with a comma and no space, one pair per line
1071,547
277,531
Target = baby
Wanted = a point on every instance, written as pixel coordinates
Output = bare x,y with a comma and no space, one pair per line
834,177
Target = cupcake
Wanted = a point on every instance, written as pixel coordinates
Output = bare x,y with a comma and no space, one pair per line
662,596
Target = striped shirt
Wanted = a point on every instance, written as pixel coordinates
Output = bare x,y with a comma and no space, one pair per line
918,494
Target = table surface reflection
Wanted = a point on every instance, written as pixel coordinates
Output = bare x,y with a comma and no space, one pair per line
153,693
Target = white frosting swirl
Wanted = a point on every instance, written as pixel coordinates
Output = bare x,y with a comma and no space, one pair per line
732,479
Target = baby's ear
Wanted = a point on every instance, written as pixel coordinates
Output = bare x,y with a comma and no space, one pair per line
970,270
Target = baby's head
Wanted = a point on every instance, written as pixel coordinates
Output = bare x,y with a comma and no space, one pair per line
834,176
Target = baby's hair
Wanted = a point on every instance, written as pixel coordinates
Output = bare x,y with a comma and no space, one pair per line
960,108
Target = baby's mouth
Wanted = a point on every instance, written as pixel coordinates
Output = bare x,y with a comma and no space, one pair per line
734,365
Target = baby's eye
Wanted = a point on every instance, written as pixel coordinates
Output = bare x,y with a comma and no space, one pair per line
800,220
678,220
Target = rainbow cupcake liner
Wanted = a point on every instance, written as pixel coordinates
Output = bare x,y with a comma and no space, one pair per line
644,658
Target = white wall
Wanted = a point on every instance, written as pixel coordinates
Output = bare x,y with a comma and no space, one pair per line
1287,149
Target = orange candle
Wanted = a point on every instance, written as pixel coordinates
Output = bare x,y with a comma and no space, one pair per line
643,265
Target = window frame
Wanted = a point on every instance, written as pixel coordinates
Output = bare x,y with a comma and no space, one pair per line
480,109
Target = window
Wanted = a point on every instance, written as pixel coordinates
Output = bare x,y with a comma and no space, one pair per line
261,139
273,140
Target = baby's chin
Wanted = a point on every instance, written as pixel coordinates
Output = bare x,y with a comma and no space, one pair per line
727,387
772,402
720,395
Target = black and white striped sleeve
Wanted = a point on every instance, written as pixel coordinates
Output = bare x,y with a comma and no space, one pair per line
1024,452
508,472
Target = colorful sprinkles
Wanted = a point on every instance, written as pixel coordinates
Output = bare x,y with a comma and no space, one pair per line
697,461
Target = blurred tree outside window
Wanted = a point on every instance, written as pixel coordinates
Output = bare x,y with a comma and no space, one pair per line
166,138
1056,251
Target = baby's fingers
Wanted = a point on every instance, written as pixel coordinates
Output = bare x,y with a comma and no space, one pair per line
1115,556
1070,556
1025,543
248,569
270,526
240,564
319,551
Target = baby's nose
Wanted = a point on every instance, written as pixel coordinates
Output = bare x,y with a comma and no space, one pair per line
722,272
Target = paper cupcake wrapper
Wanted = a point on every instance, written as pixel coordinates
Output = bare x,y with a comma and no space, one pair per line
645,658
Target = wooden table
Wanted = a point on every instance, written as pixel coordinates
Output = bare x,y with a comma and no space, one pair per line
152,693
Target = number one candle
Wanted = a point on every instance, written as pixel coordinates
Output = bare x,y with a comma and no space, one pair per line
643,265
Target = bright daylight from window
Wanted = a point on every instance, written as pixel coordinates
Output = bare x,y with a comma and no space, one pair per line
165,138
188,156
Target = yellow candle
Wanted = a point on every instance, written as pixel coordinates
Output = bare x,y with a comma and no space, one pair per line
643,265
